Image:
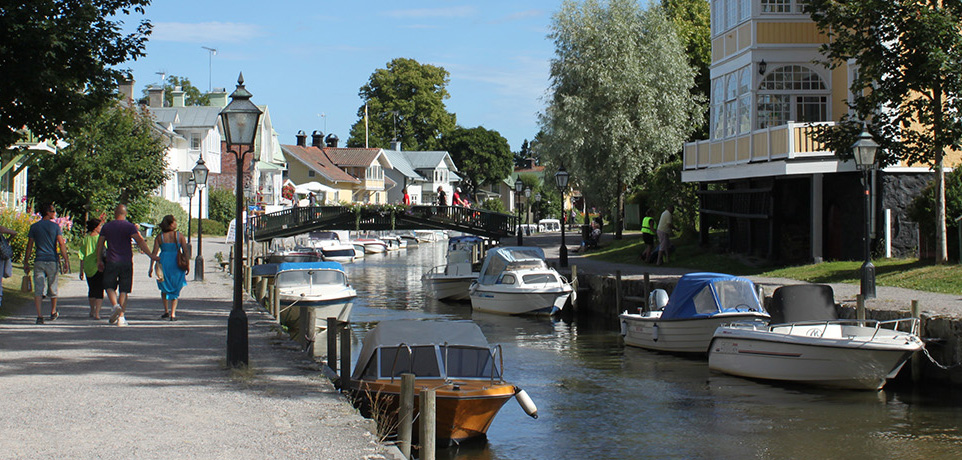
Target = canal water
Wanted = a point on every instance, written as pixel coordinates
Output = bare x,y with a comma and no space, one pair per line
598,399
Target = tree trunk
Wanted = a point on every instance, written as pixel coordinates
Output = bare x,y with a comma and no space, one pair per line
620,211
941,249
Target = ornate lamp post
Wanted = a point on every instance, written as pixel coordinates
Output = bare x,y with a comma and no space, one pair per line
200,176
561,180
240,128
527,209
537,204
864,149
191,190
518,188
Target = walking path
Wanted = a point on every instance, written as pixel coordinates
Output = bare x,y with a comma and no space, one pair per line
80,388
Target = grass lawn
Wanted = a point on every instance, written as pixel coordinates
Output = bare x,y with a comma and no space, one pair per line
905,273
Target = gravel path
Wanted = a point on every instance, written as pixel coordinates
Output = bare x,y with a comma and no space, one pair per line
80,388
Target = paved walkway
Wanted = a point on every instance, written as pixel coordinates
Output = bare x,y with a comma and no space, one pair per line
80,388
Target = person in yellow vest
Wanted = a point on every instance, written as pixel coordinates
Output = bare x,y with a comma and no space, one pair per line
648,234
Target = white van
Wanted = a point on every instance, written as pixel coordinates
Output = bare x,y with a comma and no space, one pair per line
549,225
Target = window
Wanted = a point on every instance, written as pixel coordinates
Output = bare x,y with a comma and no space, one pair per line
791,93
726,14
195,141
539,278
310,173
467,362
731,103
506,279
784,6
425,362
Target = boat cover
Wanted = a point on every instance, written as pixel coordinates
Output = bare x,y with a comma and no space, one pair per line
273,269
418,333
463,241
701,295
498,259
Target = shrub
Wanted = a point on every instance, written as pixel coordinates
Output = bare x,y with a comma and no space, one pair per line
493,204
922,210
20,222
221,202
210,227
160,207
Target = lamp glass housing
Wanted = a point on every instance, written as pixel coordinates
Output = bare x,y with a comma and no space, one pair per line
864,149
561,178
240,117
518,185
191,186
200,172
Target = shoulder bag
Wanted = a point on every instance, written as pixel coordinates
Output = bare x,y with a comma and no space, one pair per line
183,254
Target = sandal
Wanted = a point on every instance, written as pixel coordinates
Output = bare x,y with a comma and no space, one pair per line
165,315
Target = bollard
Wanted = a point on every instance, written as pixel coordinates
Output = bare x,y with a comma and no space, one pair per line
618,291
332,344
276,303
261,289
406,414
859,307
428,418
646,291
345,333
308,320
917,357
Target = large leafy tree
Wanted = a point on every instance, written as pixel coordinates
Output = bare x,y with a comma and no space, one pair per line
482,155
621,101
406,98
908,84
692,20
115,156
192,95
58,59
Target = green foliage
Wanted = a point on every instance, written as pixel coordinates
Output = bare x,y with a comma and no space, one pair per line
409,97
222,205
210,227
20,222
692,21
60,61
923,206
114,157
549,207
667,188
483,156
158,208
192,95
493,204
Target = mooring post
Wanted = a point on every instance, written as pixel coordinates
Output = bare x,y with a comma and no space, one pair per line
332,344
406,414
859,306
917,357
345,333
617,291
646,286
308,325
276,303
428,418
261,289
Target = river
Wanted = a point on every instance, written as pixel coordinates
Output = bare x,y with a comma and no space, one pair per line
598,399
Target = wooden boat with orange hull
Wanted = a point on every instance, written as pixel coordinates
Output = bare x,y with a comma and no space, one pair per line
451,357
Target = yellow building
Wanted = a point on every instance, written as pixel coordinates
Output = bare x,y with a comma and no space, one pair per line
780,194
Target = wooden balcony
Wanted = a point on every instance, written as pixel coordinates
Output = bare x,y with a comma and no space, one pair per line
783,142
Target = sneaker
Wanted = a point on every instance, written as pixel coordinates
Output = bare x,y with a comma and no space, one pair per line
54,315
40,320
121,321
115,313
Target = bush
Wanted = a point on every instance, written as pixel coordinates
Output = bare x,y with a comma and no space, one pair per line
922,210
221,202
20,222
160,207
210,227
493,204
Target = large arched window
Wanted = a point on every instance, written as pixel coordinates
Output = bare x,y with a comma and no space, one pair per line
791,93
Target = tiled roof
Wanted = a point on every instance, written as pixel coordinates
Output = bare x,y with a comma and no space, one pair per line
359,157
317,160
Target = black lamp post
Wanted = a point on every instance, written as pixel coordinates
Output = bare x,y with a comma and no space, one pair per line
537,205
527,209
561,179
191,190
864,149
200,177
518,188
240,128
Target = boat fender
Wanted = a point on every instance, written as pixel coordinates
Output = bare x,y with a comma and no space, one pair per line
654,332
624,328
526,403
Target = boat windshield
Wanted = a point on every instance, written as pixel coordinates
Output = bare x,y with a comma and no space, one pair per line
425,361
539,278
309,277
468,362
732,295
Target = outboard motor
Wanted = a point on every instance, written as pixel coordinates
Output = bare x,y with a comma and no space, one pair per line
657,299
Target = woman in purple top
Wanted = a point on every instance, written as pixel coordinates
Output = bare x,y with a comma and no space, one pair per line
117,261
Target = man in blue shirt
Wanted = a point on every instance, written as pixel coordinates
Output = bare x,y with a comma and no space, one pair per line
46,235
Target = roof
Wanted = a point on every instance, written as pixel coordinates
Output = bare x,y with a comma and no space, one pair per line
358,157
317,160
401,164
187,117
429,159
702,295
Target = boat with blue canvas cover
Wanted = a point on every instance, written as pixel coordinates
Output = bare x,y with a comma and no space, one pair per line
686,321
515,280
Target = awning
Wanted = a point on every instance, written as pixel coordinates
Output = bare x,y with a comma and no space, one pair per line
312,187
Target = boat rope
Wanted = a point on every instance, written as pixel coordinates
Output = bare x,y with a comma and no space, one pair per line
938,364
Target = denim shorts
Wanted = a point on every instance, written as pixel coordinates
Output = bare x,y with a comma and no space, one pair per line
45,274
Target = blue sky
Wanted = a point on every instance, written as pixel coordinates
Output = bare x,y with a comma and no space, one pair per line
305,59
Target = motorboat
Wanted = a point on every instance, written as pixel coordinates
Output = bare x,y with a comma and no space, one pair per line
394,242
515,280
295,254
371,245
331,247
849,353
322,286
429,236
685,321
410,238
452,280
451,357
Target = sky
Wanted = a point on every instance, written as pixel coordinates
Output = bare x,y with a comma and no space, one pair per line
306,60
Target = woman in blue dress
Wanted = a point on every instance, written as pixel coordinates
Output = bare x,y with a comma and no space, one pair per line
170,278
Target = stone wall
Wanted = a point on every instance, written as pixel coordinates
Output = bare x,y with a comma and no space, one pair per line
897,190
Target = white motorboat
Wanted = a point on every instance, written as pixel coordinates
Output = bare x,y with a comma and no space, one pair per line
516,281
813,346
452,281
371,245
322,286
685,322
332,248
429,236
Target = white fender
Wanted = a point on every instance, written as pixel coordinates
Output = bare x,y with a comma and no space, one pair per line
624,327
526,403
654,332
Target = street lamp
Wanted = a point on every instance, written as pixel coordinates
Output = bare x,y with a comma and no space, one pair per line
240,128
200,176
561,179
527,209
864,149
518,188
191,190
537,204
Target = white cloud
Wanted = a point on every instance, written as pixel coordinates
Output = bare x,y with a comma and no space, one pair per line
453,12
205,32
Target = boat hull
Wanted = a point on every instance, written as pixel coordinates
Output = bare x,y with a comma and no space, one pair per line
518,302
677,335
844,362
449,287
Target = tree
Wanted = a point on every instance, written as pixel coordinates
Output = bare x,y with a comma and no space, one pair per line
483,156
692,19
522,155
58,59
192,95
620,109
114,156
908,83
406,98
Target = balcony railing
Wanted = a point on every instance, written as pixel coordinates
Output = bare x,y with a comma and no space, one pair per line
783,142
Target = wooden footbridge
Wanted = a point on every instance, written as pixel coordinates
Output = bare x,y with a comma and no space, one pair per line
295,221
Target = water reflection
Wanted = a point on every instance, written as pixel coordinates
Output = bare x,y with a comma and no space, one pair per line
600,400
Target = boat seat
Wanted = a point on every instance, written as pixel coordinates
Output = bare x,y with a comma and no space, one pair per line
803,302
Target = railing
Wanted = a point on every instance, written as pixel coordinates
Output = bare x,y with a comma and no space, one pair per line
788,141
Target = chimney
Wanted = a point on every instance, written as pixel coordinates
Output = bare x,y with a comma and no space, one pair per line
317,139
301,138
155,97
395,145
178,96
331,140
218,97
126,90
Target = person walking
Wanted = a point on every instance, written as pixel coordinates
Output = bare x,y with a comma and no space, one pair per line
665,227
88,267
407,198
456,198
170,278
6,265
442,197
648,232
116,259
47,236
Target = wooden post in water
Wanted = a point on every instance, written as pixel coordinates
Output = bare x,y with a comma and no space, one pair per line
345,333
428,416
276,303
859,306
646,291
917,357
308,326
332,344
261,288
406,414
617,292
